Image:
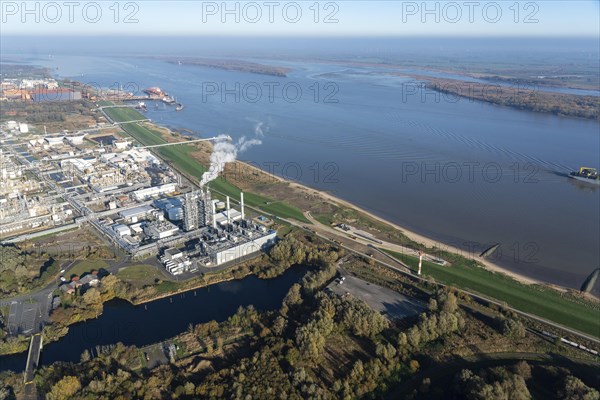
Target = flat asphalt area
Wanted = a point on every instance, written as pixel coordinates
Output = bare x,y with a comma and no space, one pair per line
156,354
23,316
391,304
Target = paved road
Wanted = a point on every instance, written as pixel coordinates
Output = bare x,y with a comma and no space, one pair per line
380,243
33,357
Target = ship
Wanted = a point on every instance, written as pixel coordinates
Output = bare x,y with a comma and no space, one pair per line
179,107
168,100
586,174
154,91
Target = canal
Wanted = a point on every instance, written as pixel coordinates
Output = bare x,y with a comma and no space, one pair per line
162,319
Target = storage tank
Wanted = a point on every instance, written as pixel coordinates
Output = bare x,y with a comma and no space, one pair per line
175,213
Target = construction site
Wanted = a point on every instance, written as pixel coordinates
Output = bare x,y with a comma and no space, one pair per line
56,182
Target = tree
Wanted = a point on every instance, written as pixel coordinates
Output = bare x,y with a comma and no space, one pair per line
92,297
433,305
293,296
513,328
414,366
523,369
85,356
64,389
450,303
575,389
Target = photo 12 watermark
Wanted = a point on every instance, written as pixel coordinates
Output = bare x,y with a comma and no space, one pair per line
453,12
55,12
254,12
436,91
315,172
468,172
270,92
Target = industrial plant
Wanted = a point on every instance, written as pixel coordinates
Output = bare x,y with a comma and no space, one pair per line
56,182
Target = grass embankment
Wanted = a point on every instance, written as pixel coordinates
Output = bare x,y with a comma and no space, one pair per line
140,275
186,163
87,266
544,302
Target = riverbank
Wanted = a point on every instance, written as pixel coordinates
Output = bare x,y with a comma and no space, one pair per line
288,201
236,173
413,236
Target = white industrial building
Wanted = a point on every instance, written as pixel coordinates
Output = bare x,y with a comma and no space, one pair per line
160,229
121,230
54,140
175,261
23,128
121,144
145,194
249,244
222,219
81,164
75,139
133,214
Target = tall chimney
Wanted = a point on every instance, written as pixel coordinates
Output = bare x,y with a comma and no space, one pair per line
228,213
242,205
214,215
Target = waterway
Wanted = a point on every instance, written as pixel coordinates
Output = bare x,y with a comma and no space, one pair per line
463,172
162,319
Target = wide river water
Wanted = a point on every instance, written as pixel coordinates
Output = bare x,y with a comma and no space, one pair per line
462,172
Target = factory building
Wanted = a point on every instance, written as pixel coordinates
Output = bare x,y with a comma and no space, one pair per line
54,140
250,243
175,261
121,230
133,214
82,165
145,194
160,229
197,210
75,139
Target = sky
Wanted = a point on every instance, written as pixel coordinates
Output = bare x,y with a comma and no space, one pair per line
303,18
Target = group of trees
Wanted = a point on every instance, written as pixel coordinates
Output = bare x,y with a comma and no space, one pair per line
511,382
21,271
520,97
498,383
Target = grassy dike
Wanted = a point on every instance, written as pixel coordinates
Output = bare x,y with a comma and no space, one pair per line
545,302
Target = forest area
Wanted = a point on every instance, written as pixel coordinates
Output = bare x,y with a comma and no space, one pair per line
317,345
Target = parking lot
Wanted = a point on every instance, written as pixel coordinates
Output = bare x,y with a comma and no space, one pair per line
388,302
23,317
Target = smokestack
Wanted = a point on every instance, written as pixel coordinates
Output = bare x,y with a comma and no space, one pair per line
214,215
242,205
228,213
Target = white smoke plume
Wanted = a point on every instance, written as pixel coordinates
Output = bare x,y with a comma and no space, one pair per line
224,151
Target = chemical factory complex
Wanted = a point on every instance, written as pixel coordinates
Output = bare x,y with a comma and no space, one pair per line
55,182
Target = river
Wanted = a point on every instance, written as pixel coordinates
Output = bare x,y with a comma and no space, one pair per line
162,319
463,172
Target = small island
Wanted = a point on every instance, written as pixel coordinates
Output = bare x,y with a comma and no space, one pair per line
234,65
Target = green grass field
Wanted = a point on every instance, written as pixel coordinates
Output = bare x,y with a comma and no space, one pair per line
140,275
122,114
86,266
540,301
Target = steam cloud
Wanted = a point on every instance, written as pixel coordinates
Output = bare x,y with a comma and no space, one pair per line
225,152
